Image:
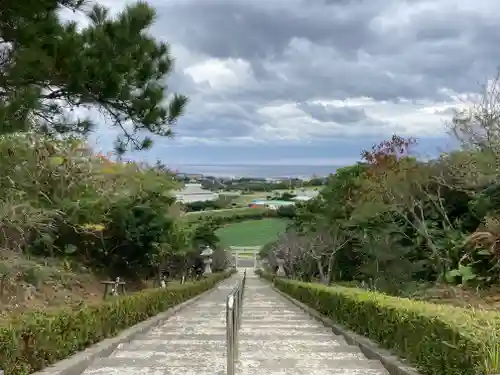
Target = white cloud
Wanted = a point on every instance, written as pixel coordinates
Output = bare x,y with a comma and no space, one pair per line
255,71
221,74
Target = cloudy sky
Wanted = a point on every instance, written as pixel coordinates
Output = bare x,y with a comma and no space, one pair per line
316,81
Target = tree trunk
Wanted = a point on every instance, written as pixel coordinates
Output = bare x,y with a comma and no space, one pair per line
329,274
322,275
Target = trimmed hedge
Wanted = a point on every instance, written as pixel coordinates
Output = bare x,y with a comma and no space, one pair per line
31,341
437,339
230,215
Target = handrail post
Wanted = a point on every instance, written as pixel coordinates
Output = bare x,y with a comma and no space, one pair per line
237,332
230,334
234,311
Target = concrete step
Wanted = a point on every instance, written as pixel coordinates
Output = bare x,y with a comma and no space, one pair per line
270,324
192,370
194,320
195,337
285,331
217,365
311,364
247,347
270,310
256,323
181,347
245,329
276,338
212,357
292,319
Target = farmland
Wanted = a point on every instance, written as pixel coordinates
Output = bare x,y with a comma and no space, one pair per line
252,232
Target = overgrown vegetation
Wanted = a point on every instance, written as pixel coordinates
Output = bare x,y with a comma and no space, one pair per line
33,340
394,222
58,199
66,211
230,215
439,340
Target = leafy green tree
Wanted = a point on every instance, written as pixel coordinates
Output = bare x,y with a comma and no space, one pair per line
49,68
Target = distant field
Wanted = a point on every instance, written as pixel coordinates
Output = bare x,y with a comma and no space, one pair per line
252,232
245,199
239,211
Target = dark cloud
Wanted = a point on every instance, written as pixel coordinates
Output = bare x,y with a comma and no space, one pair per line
300,51
342,115
259,29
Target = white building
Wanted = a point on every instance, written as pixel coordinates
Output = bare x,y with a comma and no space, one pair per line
305,195
195,193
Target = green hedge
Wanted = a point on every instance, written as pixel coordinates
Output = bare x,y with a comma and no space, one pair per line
437,339
230,215
31,341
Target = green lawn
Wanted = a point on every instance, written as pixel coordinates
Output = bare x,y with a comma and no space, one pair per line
252,232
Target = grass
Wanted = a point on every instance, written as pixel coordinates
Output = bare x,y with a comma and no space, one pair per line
252,232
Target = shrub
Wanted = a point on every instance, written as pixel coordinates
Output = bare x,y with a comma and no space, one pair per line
231,215
287,212
31,341
437,339
136,231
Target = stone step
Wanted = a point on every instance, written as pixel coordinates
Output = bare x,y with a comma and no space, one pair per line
245,329
269,324
181,346
251,323
293,319
245,366
285,331
252,315
219,320
167,337
291,344
276,338
271,310
164,355
247,347
93,370
253,335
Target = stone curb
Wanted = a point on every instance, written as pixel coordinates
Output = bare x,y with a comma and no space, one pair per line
78,362
393,364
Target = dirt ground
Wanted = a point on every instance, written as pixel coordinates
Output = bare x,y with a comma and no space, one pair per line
487,299
28,283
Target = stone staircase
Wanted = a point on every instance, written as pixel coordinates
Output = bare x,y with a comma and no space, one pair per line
276,338
192,342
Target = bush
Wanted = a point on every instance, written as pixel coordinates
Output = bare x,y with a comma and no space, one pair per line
287,212
136,230
32,341
437,339
221,217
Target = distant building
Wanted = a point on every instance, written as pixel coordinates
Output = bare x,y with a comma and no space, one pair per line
305,195
195,193
272,204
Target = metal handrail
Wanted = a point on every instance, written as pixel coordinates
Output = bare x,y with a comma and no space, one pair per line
234,309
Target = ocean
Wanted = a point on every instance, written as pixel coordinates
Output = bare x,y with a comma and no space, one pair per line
262,171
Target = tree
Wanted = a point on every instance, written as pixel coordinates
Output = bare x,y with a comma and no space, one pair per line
49,68
477,127
291,247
